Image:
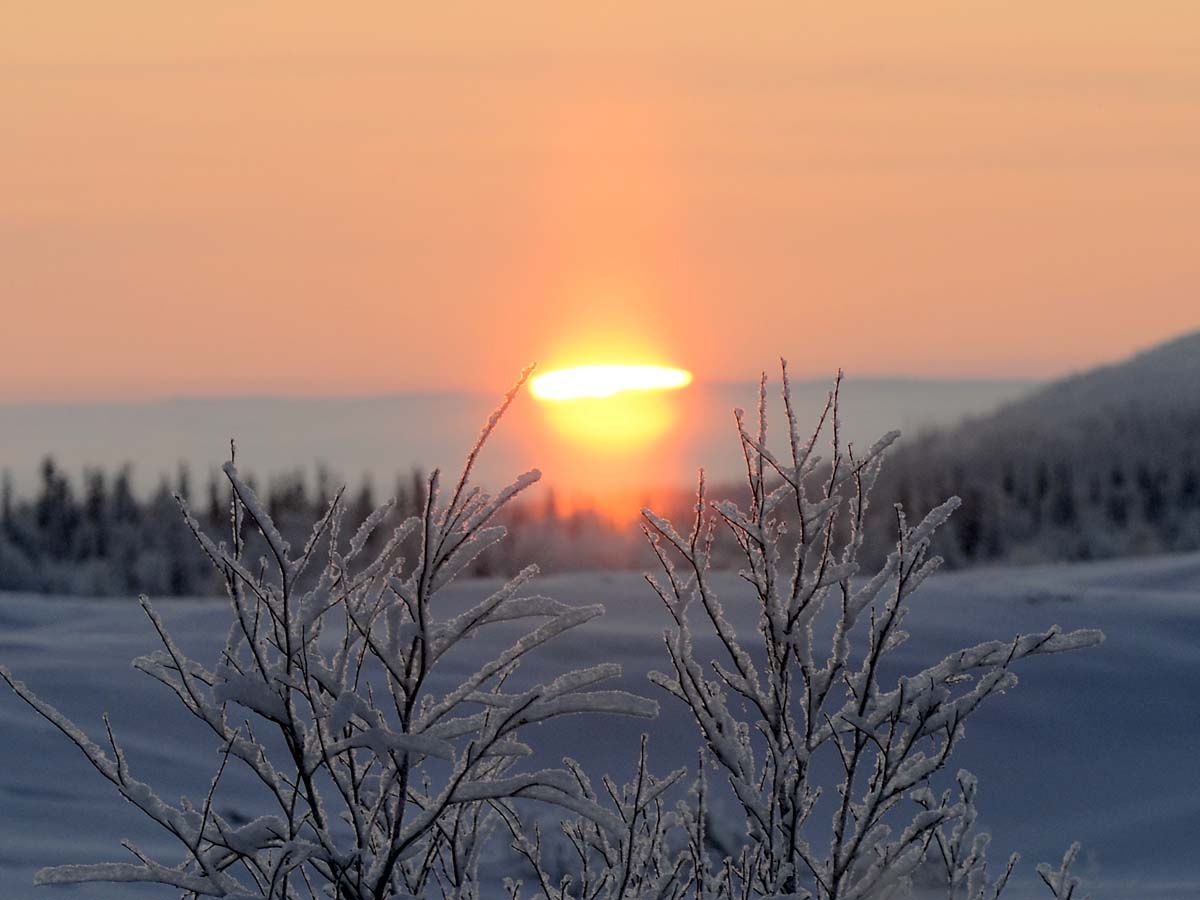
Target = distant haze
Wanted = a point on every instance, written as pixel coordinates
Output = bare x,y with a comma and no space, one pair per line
385,437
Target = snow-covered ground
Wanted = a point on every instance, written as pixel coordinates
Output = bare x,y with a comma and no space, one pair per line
1099,746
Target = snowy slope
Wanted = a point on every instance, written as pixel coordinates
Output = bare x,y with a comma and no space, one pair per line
1099,746
1105,463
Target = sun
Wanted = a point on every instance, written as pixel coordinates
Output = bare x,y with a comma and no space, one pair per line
613,409
605,381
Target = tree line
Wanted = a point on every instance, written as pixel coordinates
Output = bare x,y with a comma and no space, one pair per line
1126,483
96,536
1033,490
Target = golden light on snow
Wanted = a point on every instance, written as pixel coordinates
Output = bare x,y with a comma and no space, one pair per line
612,409
584,382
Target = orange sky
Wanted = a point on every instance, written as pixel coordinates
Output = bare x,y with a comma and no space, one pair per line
313,197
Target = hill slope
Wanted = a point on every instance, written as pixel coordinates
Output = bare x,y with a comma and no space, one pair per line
1099,464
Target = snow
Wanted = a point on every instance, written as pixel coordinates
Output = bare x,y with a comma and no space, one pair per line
1096,746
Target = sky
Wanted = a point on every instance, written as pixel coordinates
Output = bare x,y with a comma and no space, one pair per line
314,198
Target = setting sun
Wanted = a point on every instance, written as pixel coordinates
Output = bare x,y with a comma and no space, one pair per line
611,410
605,381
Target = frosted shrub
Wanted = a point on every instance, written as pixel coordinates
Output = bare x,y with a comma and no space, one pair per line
806,686
381,788
801,688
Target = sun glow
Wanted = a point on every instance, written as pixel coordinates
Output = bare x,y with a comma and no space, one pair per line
593,382
611,411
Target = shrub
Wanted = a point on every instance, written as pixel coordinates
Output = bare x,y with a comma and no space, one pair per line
808,685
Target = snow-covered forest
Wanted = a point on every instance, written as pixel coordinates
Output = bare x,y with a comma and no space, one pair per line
103,539
1103,464
1092,467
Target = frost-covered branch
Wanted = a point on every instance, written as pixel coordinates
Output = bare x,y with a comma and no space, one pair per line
808,681
375,783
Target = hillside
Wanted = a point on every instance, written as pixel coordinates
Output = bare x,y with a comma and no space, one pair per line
1164,378
1100,464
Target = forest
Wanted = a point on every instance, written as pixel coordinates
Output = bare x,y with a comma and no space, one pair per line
1125,485
95,536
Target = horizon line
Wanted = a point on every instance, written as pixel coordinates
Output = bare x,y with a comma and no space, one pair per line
285,396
